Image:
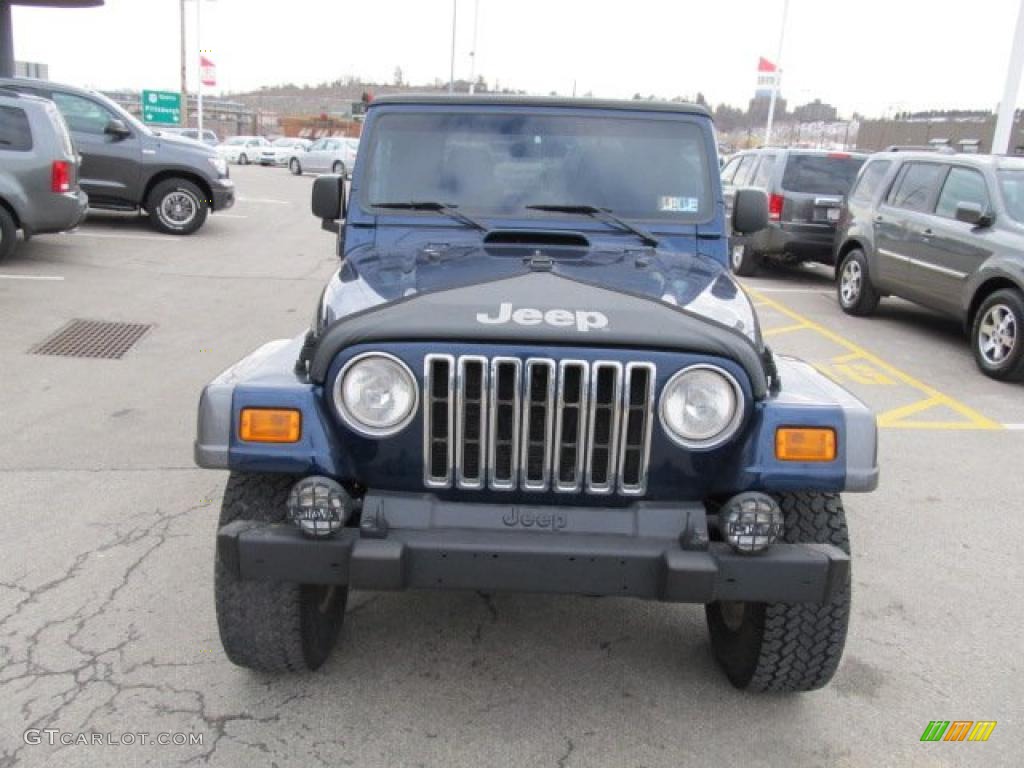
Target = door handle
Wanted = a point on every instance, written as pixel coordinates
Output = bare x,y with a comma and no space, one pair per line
879,219
928,232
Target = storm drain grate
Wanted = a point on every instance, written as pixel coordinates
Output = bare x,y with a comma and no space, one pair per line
92,338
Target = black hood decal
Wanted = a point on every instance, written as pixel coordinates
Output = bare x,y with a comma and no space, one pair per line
540,308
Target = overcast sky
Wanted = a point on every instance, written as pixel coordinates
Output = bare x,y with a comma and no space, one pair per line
871,56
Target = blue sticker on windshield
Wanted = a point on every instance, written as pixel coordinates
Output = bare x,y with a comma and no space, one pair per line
678,204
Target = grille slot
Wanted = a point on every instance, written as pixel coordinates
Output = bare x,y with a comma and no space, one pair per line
636,428
471,422
503,446
603,437
438,413
540,397
537,425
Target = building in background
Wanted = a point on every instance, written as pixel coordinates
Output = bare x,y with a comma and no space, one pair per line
32,69
959,130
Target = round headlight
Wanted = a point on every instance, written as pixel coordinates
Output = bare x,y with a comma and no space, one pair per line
376,394
700,407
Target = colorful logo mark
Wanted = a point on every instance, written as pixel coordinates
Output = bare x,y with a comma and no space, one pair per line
958,730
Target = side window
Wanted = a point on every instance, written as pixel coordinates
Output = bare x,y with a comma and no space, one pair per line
82,115
730,170
742,177
316,145
963,185
764,172
15,134
869,182
916,186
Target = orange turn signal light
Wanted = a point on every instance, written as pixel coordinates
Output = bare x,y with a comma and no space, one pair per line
270,425
805,444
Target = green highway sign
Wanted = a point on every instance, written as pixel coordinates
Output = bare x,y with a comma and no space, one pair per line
161,107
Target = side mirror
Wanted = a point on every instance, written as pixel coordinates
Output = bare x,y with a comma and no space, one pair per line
973,214
117,129
749,211
330,204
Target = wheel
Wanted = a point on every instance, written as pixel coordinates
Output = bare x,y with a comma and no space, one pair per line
997,335
243,159
787,646
338,168
857,294
295,166
744,261
177,207
8,233
266,625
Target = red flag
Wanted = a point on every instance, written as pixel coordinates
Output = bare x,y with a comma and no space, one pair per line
763,65
207,70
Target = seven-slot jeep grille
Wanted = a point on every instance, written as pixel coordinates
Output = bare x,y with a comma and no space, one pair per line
537,425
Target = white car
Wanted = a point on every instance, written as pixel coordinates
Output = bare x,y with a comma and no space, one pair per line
281,150
336,154
243,149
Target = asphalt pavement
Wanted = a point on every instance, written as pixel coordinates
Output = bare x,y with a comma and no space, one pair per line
106,608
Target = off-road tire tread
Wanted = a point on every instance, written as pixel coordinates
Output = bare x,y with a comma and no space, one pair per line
8,234
802,643
260,622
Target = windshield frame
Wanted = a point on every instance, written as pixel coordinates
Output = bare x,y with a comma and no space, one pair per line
371,136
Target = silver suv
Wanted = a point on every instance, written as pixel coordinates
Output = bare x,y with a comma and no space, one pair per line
39,189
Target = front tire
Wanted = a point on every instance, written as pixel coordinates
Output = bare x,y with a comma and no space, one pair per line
295,166
177,207
787,647
243,159
997,336
8,233
265,625
856,293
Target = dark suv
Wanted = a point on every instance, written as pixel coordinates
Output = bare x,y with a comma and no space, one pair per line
947,232
127,167
805,191
38,171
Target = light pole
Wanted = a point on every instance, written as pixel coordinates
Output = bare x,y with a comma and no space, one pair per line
199,69
184,68
451,74
778,76
472,53
1008,106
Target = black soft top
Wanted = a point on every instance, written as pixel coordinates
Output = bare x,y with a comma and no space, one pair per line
512,100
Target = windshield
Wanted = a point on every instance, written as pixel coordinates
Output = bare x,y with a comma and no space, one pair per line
285,143
497,164
821,174
1011,187
234,142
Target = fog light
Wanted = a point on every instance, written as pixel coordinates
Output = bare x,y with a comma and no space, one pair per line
751,522
319,506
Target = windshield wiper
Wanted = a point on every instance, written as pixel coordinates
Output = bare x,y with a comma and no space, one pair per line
447,209
602,214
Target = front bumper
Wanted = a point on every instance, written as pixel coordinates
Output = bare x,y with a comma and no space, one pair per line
475,554
223,194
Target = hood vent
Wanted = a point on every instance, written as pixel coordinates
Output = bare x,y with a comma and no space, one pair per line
535,238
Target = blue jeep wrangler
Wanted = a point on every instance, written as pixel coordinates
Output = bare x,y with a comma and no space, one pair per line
534,372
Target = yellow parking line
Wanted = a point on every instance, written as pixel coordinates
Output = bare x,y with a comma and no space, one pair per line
890,417
977,420
784,329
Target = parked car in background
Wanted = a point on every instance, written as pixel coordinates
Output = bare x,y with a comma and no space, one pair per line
946,232
331,155
125,166
243,149
281,150
208,137
39,189
805,193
